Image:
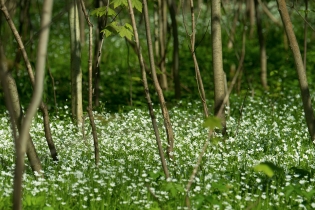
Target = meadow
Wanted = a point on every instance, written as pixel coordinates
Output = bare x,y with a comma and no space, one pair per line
261,129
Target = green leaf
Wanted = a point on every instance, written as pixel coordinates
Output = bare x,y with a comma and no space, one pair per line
137,4
156,176
125,32
118,3
267,168
136,78
106,32
102,11
115,26
215,140
127,25
212,122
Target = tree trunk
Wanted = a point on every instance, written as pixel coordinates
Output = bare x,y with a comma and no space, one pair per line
160,36
305,34
219,89
99,38
147,94
305,93
43,106
250,7
166,118
76,72
90,107
176,78
263,57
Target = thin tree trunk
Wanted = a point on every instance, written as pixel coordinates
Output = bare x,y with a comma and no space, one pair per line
233,29
305,34
307,103
221,109
167,122
201,89
101,22
42,106
160,19
76,72
176,78
147,94
251,15
14,107
23,144
269,14
262,45
219,92
25,25
90,107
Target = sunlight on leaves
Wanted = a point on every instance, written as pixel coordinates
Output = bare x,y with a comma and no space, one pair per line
106,32
118,3
267,168
137,4
102,11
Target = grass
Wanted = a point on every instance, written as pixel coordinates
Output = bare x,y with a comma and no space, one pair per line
269,130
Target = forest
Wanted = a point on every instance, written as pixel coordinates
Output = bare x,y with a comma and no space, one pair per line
162,104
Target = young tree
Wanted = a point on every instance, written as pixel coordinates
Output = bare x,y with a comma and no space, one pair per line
16,115
305,93
146,91
217,63
76,72
166,118
176,79
262,45
160,39
90,107
42,106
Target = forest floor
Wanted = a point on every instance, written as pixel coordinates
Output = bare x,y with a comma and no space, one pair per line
261,129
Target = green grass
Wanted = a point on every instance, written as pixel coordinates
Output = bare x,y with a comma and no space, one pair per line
130,174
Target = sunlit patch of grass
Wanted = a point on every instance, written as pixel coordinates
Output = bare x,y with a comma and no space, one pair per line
130,176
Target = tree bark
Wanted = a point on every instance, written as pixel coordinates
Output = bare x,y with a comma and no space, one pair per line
160,40
43,106
201,89
99,38
176,77
90,106
146,91
76,72
305,93
262,45
219,89
13,104
305,34
250,7
167,122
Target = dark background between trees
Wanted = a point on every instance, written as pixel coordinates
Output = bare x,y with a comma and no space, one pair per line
119,88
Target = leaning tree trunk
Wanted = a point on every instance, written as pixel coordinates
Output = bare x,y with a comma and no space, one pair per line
35,102
42,106
219,81
305,93
76,72
16,113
